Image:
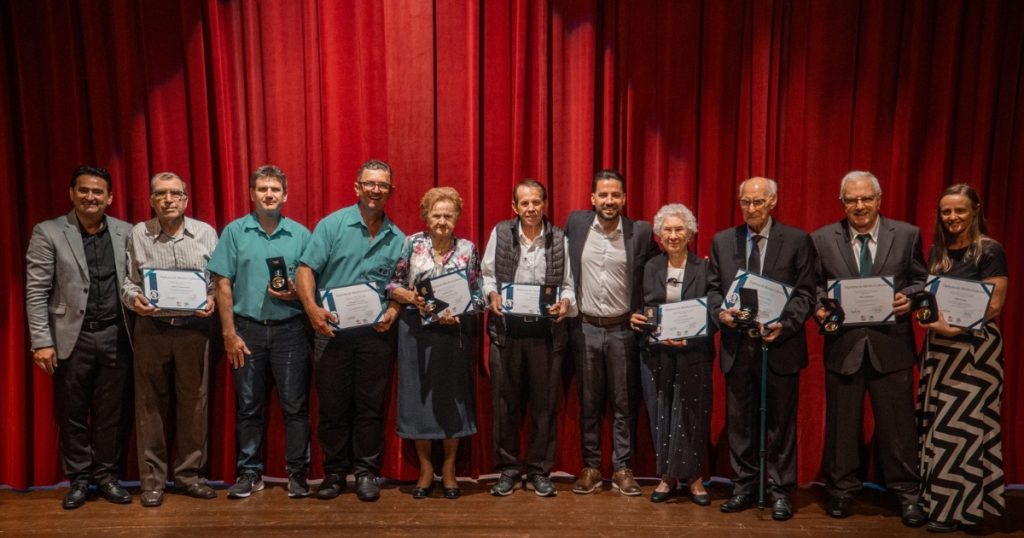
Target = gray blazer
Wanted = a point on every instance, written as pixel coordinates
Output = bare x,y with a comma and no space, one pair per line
55,275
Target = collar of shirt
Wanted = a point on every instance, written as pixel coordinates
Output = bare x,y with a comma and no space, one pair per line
765,232
873,232
526,241
81,229
253,223
354,219
596,226
154,230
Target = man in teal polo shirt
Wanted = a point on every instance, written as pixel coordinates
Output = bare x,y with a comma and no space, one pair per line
354,245
264,329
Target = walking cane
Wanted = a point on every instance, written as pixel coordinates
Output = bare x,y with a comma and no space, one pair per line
763,430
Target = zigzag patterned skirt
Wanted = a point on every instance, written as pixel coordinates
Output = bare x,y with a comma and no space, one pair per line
959,397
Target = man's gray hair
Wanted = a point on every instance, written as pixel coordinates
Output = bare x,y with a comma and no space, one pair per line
855,175
773,187
675,210
167,176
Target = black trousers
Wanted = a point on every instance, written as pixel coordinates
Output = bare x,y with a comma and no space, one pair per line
743,423
353,378
526,370
91,386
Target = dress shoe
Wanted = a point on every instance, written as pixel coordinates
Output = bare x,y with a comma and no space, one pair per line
331,487
839,507
737,503
152,498
700,499
77,495
912,515
113,492
662,496
588,482
200,491
423,493
367,489
935,526
541,486
624,482
782,510
505,485
452,493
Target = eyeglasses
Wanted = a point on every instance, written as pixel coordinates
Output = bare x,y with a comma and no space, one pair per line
175,195
379,185
674,282
758,203
853,202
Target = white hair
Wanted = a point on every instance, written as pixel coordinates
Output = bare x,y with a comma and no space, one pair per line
855,175
675,210
773,188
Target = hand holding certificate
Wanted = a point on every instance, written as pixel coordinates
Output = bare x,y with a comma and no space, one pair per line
448,293
528,299
964,303
172,289
352,306
681,320
772,296
865,301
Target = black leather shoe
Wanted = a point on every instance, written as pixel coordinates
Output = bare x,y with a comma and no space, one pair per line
700,499
737,503
662,496
839,507
452,493
200,491
331,487
114,493
782,510
935,526
77,495
912,515
367,489
423,493
152,498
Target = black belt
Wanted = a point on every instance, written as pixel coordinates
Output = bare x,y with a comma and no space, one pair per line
268,322
605,322
93,326
180,321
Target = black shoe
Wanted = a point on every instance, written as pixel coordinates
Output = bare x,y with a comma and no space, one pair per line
298,485
452,493
782,510
541,486
662,496
737,503
935,526
839,507
423,493
331,487
700,499
78,494
912,515
505,485
367,489
113,492
152,498
200,491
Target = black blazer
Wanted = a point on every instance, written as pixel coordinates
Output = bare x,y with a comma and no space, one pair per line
695,285
640,247
898,254
789,259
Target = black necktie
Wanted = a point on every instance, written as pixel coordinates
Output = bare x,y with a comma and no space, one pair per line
865,254
754,261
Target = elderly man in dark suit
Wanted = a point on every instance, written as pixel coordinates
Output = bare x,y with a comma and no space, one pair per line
764,246
876,358
607,253
75,264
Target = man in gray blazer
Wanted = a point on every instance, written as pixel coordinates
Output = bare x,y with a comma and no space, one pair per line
876,358
75,264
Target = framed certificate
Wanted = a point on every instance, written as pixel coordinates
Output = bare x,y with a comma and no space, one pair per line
175,289
682,320
964,303
865,301
528,299
446,293
353,306
772,296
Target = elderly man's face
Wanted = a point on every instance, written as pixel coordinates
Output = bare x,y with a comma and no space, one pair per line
757,202
674,235
861,203
529,205
168,199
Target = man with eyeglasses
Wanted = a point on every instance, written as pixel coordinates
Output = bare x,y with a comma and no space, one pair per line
171,345
875,358
763,246
264,329
352,367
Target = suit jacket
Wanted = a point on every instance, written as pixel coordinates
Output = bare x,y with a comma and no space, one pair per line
55,275
789,259
695,286
640,247
898,254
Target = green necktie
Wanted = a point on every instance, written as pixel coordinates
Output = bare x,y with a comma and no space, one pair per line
865,255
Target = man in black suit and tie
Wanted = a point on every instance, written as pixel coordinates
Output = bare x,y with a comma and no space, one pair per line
876,358
765,246
607,253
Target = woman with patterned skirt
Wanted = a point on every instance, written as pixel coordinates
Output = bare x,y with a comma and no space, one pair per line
961,382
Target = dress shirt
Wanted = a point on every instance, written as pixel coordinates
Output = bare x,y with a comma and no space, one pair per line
103,286
872,243
761,248
532,268
604,291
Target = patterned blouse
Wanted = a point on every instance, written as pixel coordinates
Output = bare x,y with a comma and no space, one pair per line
417,264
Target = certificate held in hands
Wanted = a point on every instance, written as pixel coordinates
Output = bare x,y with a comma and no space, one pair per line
771,296
446,293
964,303
353,306
683,320
528,299
865,301
174,289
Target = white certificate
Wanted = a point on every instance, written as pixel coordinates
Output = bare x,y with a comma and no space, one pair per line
865,301
353,306
964,303
772,296
452,289
682,320
174,289
528,299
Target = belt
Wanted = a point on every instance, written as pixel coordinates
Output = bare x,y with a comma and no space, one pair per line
93,326
179,321
605,322
268,322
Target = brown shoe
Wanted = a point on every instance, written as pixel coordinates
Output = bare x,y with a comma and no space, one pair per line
588,482
152,498
624,482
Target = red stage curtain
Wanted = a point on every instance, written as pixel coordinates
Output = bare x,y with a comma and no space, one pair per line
687,98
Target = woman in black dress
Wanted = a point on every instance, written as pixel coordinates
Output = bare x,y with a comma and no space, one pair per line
961,382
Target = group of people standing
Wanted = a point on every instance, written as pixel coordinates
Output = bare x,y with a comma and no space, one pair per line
605,267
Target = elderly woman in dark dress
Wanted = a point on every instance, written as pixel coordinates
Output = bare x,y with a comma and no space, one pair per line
435,361
676,375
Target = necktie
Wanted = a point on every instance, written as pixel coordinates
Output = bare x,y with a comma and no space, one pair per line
754,261
865,255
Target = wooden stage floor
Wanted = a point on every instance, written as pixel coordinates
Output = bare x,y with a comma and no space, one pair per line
477,513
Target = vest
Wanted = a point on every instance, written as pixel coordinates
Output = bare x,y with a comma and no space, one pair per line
506,253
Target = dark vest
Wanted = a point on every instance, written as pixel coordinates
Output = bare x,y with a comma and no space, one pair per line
508,248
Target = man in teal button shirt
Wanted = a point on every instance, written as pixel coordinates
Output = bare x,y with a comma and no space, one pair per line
353,245
264,329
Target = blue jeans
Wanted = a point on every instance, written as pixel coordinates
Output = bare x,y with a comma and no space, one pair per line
283,350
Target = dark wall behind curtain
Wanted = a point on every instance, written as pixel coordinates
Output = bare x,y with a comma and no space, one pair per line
687,98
